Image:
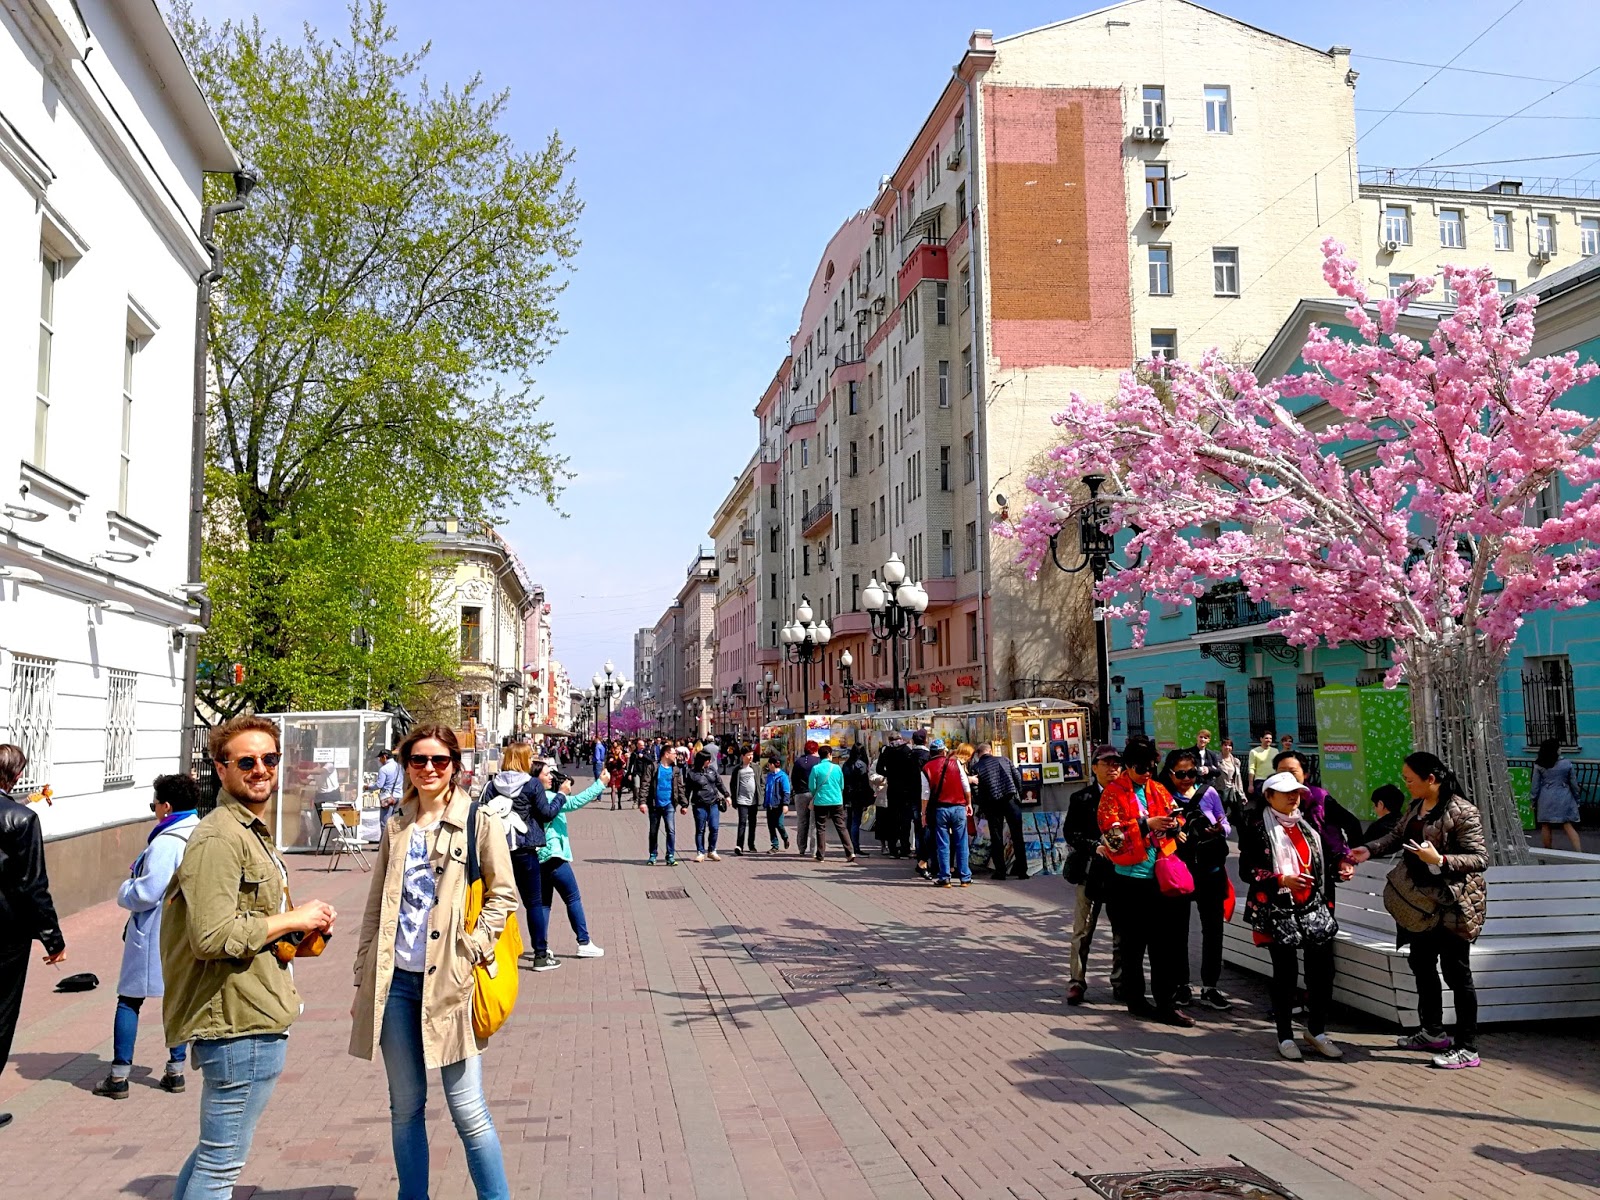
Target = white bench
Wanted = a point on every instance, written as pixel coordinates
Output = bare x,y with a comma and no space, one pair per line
1537,959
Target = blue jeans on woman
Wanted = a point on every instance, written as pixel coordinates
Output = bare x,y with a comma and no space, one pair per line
555,875
706,819
950,825
124,1031
238,1075
401,1041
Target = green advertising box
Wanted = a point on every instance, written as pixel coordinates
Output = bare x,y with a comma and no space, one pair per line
1364,735
1179,719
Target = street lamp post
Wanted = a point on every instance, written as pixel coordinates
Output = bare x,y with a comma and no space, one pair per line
846,680
803,641
896,607
604,689
1095,547
766,693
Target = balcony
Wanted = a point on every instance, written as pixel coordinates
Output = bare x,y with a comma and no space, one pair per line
1228,606
854,352
818,515
801,416
747,537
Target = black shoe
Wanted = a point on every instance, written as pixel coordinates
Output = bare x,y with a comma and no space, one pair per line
5,1119
1215,1000
998,876
1019,875
1142,1009
1174,1016
1183,997
739,851
112,1088
173,1083
1075,992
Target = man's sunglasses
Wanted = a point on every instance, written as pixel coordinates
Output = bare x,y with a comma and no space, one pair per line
247,762
439,761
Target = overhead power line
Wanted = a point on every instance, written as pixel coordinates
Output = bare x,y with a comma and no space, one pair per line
1407,62
1413,112
1487,128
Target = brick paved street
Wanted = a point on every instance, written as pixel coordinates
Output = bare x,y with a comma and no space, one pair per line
793,1029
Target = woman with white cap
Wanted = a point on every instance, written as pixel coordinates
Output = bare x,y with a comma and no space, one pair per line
1283,863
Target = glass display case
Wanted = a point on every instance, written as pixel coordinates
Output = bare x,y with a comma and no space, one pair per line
330,761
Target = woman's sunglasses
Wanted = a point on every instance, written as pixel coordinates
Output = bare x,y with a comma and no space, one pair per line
1185,774
439,761
247,762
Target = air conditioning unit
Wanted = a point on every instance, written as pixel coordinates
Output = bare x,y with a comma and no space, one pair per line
930,635
1159,214
1158,133
1149,133
953,159
1544,254
861,316
877,224
1391,247
879,305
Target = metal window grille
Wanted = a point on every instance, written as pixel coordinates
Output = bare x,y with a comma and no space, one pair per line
120,712
1136,712
1549,708
1262,704
33,695
1305,708
1218,691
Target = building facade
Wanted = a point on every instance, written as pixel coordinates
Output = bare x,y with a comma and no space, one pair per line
665,671
735,637
696,644
105,139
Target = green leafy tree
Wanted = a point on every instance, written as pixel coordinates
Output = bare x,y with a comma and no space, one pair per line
388,293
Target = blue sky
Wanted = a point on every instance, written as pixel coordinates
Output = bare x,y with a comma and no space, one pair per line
718,146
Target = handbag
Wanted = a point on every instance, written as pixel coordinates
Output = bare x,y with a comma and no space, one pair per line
1293,926
1172,873
494,986
1414,907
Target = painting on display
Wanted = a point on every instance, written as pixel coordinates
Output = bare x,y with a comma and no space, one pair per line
1053,773
1032,781
1036,731
1057,729
1022,754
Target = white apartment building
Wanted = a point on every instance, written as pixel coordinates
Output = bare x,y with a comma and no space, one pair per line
1146,180
105,139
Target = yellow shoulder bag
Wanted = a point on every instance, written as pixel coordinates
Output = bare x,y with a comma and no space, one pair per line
494,988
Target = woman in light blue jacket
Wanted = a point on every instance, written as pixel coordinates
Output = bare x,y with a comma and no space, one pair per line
555,870
142,894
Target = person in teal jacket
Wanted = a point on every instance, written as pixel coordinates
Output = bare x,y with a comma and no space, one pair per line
827,802
556,875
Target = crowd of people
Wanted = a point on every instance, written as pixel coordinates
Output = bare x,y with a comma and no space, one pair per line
212,929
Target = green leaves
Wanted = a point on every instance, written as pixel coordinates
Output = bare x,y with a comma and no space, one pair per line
387,295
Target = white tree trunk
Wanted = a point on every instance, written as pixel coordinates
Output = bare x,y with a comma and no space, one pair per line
1455,713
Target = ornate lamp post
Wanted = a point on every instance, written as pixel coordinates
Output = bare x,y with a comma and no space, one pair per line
846,680
605,689
1095,547
766,693
896,607
802,642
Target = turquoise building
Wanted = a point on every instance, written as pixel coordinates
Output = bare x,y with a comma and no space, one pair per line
1220,646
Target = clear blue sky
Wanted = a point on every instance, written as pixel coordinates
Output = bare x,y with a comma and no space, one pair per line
720,145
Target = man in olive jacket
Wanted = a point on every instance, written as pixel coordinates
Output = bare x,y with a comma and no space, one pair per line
227,991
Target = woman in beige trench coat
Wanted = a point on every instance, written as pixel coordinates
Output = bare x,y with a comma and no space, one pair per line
414,963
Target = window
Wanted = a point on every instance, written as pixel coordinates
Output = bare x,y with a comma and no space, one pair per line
1225,271
947,556
805,559
1164,344
805,502
855,593
1502,230
772,539
966,287
1549,709
120,711
961,204
854,459
1305,706
972,546
1451,235
772,496
944,383
941,301
966,370
1398,281
880,445
1263,704
1218,691
972,636
1219,109
130,347
471,709
1505,286
855,397
944,468
1155,105
772,589
33,698
50,272
1397,224
472,634
1161,270
1135,701
1544,233
1589,236
969,458
1156,192
805,452
855,526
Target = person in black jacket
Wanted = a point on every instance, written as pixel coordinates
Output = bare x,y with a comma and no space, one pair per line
1000,792
708,796
26,910
1389,805
920,754
902,791
800,781
1090,872
858,795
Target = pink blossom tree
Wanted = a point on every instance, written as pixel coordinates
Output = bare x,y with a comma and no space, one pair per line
1429,542
629,721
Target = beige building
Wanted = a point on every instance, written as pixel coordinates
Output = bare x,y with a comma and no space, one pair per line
696,644
737,611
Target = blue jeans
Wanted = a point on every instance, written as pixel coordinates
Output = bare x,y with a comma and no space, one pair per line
852,820
238,1075
125,1028
667,816
555,875
950,825
706,819
401,1041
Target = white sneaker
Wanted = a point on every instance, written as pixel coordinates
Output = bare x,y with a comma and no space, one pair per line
699,858
1287,1049
714,856
590,950
1322,1044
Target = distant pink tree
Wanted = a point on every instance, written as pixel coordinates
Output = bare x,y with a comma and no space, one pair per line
629,721
1432,543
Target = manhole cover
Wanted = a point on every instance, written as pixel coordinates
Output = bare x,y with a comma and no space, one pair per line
838,975
1187,1183
668,894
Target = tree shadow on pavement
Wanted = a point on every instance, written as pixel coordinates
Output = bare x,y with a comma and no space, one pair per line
162,1185
1570,1164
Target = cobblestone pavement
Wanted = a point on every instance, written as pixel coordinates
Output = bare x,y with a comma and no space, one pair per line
774,1027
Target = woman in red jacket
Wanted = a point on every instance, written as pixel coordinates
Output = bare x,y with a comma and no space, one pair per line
1140,822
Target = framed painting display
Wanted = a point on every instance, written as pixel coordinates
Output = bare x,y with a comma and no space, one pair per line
1053,773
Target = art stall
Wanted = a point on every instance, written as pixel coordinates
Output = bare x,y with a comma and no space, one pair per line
329,775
